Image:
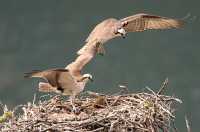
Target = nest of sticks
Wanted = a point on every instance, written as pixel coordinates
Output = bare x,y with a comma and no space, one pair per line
136,112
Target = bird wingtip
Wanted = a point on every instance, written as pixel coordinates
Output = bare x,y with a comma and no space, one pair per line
29,74
181,23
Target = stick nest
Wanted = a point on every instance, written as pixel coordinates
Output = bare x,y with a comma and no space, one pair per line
138,112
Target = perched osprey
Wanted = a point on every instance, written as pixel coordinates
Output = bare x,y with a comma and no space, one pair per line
60,80
111,28
67,81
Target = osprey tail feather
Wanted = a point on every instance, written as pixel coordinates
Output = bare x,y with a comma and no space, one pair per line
34,73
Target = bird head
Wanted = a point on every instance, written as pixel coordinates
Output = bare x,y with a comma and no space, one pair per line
88,76
121,31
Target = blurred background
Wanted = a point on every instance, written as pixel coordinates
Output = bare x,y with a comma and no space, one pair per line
44,34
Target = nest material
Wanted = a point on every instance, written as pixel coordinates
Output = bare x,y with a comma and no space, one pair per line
140,112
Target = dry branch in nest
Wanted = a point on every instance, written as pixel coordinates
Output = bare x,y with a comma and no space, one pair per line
137,112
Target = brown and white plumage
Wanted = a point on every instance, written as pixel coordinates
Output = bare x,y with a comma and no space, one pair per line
111,28
67,81
61,81
89,52
70,81
142,22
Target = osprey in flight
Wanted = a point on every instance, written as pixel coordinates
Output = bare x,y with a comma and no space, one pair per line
111,28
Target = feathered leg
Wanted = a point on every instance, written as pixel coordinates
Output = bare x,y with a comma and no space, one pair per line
100,49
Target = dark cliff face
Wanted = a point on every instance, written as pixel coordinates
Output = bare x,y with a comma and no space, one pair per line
47,34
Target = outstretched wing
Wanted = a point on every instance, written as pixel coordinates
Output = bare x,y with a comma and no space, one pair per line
50,75
106,30
141,22
90,48
85,54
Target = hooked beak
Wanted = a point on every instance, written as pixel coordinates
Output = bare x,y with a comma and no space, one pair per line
122,32
80,80
91,79
123,36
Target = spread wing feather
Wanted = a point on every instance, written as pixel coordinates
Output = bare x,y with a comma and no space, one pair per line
142,22
50,75
105,31
85,54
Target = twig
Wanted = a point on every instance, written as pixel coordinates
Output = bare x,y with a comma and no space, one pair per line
163,86
136,112
115,101
34,99
150,90
124,89
187,124
97,130
113,125
93,94
174,126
